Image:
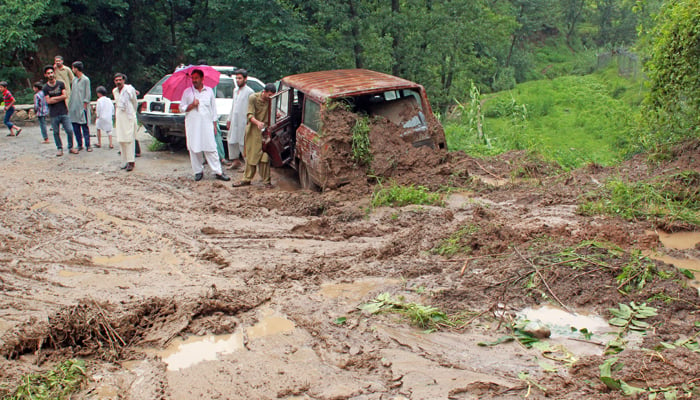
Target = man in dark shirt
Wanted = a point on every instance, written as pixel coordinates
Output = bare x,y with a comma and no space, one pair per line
58,111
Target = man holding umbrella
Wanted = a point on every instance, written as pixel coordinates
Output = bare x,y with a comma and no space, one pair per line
198,102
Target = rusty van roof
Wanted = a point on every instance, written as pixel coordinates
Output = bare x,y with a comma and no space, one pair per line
345,82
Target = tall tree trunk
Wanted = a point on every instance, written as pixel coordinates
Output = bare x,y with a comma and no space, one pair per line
395,12
355,30
173,40
571,23
515,37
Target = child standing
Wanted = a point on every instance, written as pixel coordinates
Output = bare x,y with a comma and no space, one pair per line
9,109
105,114
41,109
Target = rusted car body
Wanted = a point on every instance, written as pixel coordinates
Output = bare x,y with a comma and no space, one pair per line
303,102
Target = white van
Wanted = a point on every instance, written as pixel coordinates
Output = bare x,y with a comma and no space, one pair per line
163,119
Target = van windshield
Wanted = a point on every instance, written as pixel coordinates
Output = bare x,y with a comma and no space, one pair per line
402,107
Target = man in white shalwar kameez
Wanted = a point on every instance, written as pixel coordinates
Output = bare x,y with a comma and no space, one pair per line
125,119
237,118
198,102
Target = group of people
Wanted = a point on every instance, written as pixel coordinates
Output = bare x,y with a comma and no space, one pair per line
248,118
65,99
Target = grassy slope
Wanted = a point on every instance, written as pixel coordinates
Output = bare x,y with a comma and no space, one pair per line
573,120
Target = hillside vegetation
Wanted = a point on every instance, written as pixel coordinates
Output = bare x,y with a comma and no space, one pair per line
571,120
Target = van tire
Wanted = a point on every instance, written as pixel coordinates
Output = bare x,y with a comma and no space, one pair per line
305,178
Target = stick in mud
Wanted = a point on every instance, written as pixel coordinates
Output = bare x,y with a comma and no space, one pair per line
543,280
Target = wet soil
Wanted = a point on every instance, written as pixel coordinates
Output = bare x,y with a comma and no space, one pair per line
116,268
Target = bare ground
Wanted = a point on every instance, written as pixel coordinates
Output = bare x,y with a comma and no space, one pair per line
115,268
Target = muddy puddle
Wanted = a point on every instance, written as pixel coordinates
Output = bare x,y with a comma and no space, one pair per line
183,353
354,292
678,241
566,327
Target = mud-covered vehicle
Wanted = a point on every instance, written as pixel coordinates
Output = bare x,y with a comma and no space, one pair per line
317,119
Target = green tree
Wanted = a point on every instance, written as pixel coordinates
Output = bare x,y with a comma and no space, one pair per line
672,108
18,35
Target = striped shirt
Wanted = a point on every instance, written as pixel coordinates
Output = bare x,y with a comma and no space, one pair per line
7,97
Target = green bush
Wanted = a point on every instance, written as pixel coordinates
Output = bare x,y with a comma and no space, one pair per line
675,198
395,195
672,108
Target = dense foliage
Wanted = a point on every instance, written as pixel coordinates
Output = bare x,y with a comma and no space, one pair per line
672,109
570,120
445,45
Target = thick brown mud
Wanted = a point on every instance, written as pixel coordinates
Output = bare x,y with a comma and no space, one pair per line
126,270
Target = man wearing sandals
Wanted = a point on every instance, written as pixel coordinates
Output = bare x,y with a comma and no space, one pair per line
258,119
55,92
200,124
79,106
126,124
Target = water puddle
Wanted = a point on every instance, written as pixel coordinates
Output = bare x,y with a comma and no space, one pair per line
270,324
184,353
138,260
68,274
560,322
692,264
355,291
679,240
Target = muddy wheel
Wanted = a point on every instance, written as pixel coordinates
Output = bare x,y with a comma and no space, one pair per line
305,177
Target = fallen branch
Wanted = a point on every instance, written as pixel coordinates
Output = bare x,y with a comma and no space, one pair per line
476,257
537,271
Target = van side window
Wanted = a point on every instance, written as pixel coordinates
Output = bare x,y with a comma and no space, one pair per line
312,115
283,104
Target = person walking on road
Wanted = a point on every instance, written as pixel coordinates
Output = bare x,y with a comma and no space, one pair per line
41,109
258,119
237,118
126,124
79,106
9,109
55,92
199,104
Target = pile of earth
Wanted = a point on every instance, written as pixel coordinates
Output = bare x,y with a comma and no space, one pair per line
392,156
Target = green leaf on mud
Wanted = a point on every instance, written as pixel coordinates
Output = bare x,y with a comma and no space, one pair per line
547,367
618,322
372,308
630,390
606,373
340,320
687,273
639,324
503,339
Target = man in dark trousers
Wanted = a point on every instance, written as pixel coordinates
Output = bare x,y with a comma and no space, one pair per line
55,92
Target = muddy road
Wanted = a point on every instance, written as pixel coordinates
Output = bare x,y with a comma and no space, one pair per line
175,289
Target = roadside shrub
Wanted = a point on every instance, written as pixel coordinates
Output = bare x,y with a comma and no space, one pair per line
673,198
672,107
395,195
